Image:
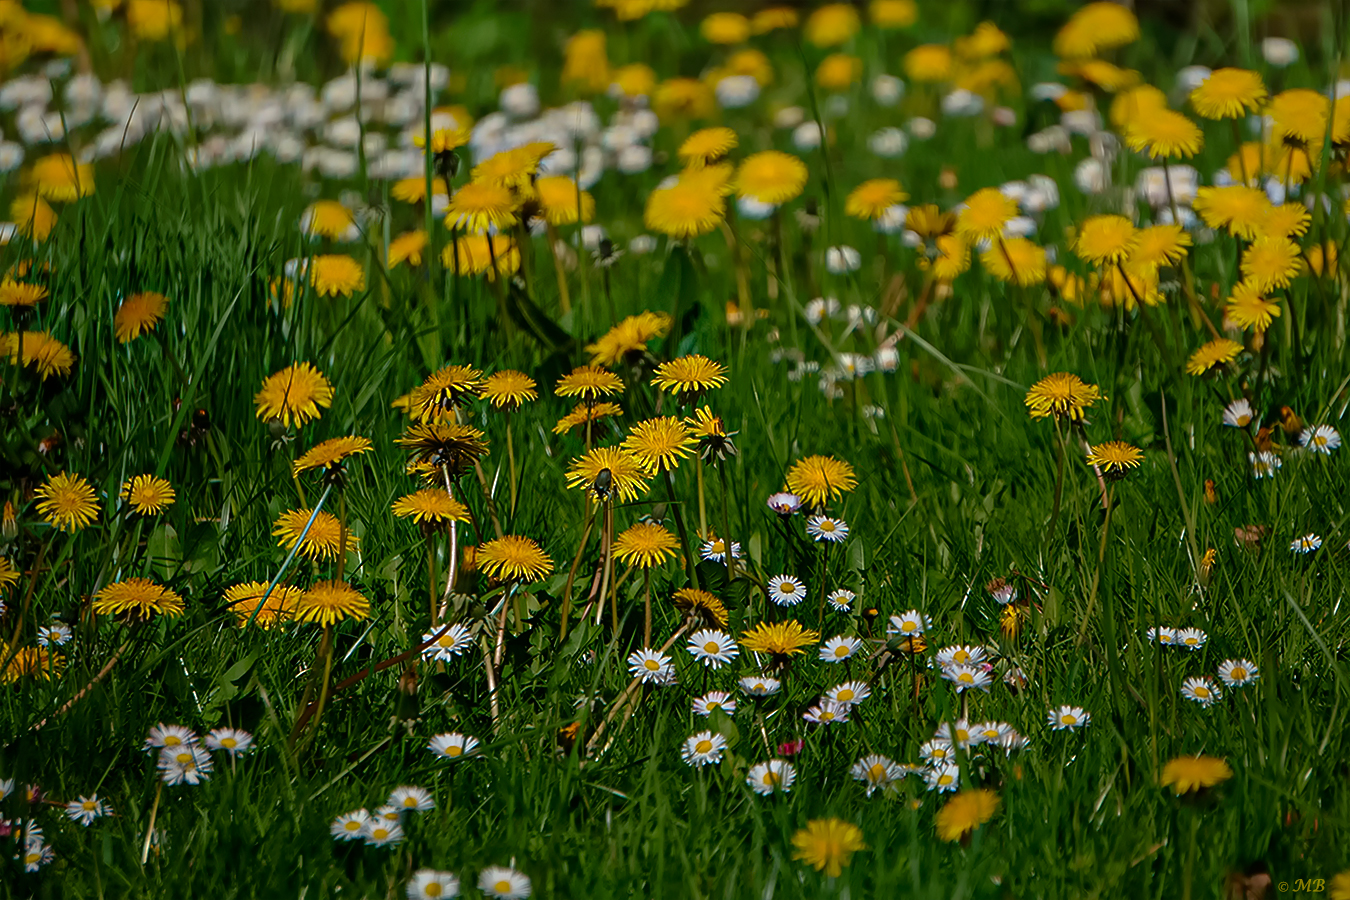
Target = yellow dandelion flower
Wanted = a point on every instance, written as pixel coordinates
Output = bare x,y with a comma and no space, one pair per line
965,812
711,433
634,80
513,168
9,576
479,254
771,176
414,189
707,146
1165,134
1114,457
1271,262
154,20
984,214
1159,245
480,205
294,395
780,639
686,209
820,479
454,447
430,506
1096,27
1104,75
753,63
773,18
138,315
1288,220
928,63
645,545
832,24
827,845
443,390
1248,309
509,389
1061,394
609,470
514,558
332,274
444,140
58,177
1239,208
586,412
1229,94
1105,239
67,502
683,98
953,258
330,454
871,199
1016,260
688,377
562,202
407,248
838,71
330,602
629,338
1217,352
327,218
585,62
31,662
1132,103
893,13
243,599
20,294
705,609
1300,115
139,598
323,539
660,443
41,351
1188,774
33,216
588,383
1137,284
148,495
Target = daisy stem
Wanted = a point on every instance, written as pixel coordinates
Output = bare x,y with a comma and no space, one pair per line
150,830
702,506
453,563
290,557
572,572
564,298
679,525
647,607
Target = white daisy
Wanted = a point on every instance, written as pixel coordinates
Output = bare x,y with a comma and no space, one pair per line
841,599
1264,464
1190,638
1004,594
1202,690
381,833
991,732
233,741
784,504
944,777
967,677
36,854
1306,544
825,528
411,797
960,655
1320,439
350,826
962,736
6,787
456,640
1068,718
703,749
1012,741
850,693
715,550
388,813
713,648
704,706
428,884
774,775
504,883
453,745
760,685
651,666
184,764
909,623
786,590
170,736
1162,634
54,635
827,713
1238,414
877,772
936,750
838,649
1238,672
86,809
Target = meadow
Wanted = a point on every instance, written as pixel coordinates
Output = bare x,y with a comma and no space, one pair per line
664,449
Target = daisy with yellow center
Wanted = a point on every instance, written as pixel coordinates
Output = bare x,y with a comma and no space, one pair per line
562,202
137,315
508,389
330,602
984,214
686,209
1188,774
1061,394
1271,262
334,274
414,189
243,599
779,639
689,377
588,383
430,507
827,845
1229,94
58,177
138,598
327,218
1164,134
323,539
1114,457
67,502
1105,239
1248,309
871,199
1215,353
965,812
585,413
770,176
330,454
1017,260
1240,209
645,545
629,338
660,443
20,294
514,558
1159,245
607,471
294,395
450,446
147,494
819,479
707,146
407,248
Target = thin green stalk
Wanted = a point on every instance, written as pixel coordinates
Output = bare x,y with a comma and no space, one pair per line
290,557
679,525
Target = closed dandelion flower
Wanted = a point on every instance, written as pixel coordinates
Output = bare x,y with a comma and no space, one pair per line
704,706
407,248
786,590
819,479
1228,94
514,558
67,502
504,883
480,205
243,599
1105,240
849,693
1188,774
770,177
689,377
1061,394
779,639
701,607
147,495
329,602
1238,672
759,686
138,315
877,772
1309,543
139,598
824,528
430,507
1068,718
703,749
660,443
379,832
712,648
429,884
1217,352
1320,439
1238,414
335,274
714,549
871,199
1165,134
1248,309
509,389
827,845
349,826
774,775
1271,262
909,623
965,812
294,395
1238,208
453,745
1201,690
330,454
1016,260
1114,458
322,541
984,214
588,383
234,741
943,777
86,809
452,447
644,545
841,648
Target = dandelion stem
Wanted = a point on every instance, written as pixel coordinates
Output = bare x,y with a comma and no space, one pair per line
511,464
326,654
702,506
431,582
572,572
453,564
647,607
290,557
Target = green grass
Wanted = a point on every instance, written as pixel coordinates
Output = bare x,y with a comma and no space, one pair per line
955,487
